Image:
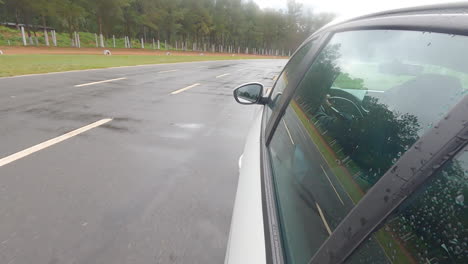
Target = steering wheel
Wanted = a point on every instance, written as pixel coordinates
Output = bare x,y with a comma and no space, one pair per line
344,107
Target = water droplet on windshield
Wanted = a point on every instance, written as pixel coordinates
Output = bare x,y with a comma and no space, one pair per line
460,200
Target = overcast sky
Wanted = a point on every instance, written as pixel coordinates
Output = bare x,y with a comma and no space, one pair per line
347,7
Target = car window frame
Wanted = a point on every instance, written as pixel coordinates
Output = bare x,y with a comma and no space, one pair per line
322,39
458,140
273,239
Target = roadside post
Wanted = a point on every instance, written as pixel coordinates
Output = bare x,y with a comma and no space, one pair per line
159,46
46,37
24,36
101,37
54,38
75,44
142,43
113,40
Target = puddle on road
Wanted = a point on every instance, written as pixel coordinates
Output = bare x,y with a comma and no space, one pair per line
183,131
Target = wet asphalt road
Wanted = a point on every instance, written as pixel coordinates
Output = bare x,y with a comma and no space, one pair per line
154,185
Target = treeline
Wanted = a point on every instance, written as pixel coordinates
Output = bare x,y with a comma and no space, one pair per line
236,23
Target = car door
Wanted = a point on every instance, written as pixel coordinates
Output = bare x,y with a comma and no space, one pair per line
247,234
375,117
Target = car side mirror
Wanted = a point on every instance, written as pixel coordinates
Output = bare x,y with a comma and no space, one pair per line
249,93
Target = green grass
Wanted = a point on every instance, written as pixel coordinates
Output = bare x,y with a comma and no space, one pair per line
11,65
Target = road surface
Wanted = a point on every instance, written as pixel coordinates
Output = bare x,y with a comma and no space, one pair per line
124,165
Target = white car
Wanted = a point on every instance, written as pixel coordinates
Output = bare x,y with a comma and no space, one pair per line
359,153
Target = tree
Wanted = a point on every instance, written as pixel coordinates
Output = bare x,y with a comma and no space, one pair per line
72,13
106,12
235,23
44,8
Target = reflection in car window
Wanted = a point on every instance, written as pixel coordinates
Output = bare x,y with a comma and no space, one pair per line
365,100
282,82
430,227
249,93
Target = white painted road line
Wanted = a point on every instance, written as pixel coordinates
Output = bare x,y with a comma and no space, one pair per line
105,81
50,142
222,75
185,89
289,133
337,194
325,223
374,91
167,71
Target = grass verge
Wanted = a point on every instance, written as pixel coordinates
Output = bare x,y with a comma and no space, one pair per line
11,65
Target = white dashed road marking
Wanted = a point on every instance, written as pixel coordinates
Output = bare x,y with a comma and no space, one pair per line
375,91
222,75
289,133
50,142
106,81
167,71
325,223
185,89
337,194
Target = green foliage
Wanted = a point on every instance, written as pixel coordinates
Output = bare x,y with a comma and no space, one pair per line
211,22
345,81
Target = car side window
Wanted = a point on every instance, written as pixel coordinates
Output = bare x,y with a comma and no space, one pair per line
283,80
429,227
366,99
